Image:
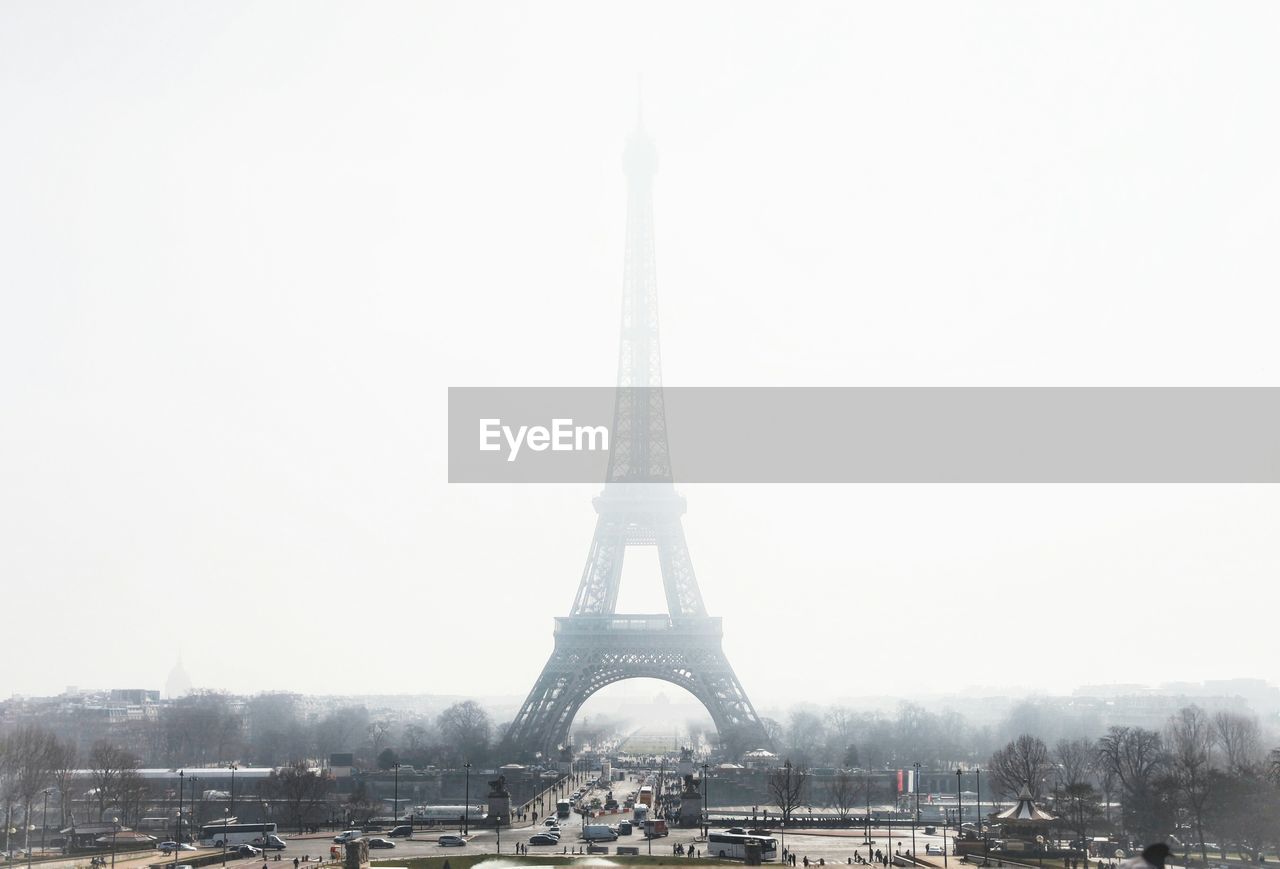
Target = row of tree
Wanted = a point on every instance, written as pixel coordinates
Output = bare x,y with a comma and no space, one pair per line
1202,776
210,728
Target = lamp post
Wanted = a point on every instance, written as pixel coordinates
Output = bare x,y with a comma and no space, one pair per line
177,843
915,816
115,828
466,808
497,827
27,842
44,819
866,782
959,810
395,804
233,768
195,785
177,835
706,805
888,848
225,819
982,830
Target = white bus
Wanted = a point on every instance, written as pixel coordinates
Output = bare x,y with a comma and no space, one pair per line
445,814
234,833
733,846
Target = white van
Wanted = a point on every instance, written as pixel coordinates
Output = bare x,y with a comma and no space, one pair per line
599,833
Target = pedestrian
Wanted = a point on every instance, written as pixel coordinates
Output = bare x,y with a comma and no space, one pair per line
295,863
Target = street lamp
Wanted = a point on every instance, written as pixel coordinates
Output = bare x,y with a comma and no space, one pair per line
233,767
177,837
44,819
977,772
226,813
915,816
497,826
115,828
466,808
177,843
706,805
395,805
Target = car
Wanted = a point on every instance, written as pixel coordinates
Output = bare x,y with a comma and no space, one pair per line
551,822
346,836
248,851
402,830
381,843
932,849
736,831
451,841
167,847
543,839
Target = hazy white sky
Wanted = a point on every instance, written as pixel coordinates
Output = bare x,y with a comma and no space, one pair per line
244,249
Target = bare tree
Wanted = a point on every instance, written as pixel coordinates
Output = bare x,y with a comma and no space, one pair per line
1136,757
1074,758
35,754
8,782
1190,738
108,764
131,794
1240,741
842,792
64,779
1024,762
302,790
464,731
786,787
1078,807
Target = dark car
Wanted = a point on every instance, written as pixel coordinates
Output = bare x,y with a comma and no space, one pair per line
400,831
248,851
381,843
543,839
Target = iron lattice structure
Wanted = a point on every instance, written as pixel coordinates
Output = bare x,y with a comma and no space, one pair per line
595,646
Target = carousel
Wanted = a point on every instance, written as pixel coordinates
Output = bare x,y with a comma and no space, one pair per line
1025,827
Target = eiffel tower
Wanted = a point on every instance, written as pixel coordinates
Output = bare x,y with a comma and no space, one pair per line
595,645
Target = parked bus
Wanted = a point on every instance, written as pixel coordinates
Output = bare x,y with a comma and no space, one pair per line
646,796
563,809
235,833
733,846
445,814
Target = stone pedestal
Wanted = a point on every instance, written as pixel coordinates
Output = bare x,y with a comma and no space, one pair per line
500,806
357,855
690,809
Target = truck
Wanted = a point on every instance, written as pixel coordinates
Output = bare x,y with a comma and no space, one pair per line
599,833
655,827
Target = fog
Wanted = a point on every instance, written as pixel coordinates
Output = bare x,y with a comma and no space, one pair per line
247,248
